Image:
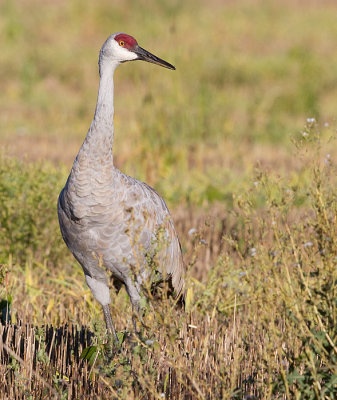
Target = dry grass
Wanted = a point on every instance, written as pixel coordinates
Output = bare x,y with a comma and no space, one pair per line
53,357
260,312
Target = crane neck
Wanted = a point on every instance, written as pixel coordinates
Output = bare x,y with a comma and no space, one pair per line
96,150
105,98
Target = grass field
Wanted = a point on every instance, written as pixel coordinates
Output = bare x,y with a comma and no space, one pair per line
240,141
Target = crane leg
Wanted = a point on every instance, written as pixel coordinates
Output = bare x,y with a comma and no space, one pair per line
109,325
133,292
100,290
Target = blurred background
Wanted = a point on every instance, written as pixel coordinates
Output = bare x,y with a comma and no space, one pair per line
249,74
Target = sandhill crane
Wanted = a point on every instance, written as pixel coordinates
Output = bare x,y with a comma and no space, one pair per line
110,221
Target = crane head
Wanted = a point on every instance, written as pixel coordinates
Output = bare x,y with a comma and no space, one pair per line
120,47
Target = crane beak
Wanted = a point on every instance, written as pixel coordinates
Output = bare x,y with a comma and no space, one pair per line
149,57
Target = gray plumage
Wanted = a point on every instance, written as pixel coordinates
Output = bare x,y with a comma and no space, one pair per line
110,221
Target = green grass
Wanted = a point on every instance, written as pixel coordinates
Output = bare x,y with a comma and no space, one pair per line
226,140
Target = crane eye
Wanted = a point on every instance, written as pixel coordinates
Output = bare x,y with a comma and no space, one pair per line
121,43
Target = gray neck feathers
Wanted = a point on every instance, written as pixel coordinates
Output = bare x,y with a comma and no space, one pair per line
96,150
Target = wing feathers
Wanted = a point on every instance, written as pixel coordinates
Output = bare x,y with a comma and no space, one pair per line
123,219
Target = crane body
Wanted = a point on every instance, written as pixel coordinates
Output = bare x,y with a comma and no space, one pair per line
110,221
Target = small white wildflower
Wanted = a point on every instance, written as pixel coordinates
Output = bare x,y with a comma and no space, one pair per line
192,231
304,134
288,191
327,162
203,241
253,251
149,342
242,273
327,159
256,183
162,395
326,124
308,244
311,120
273,222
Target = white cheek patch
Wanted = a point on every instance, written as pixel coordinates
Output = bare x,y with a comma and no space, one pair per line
123,54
